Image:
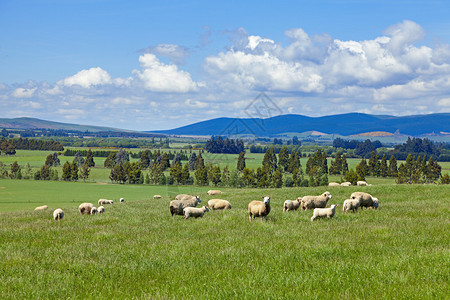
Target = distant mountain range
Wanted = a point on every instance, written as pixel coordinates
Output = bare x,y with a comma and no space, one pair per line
32,123
343,124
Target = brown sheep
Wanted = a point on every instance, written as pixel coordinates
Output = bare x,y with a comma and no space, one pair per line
259,208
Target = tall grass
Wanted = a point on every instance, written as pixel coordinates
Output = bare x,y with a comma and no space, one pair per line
136,250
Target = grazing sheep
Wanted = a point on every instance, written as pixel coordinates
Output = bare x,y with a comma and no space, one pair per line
324,212
185,196
361,183
259,208
350,204
94,211
333,184
105,201
365,199
122,200
214,192
157,197
375,204
58,214
195,212
347,183
291,204
100,209
43,207
176,206
310,202
219,204
85,208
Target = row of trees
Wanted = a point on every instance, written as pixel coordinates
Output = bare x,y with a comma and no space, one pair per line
35,144
218,144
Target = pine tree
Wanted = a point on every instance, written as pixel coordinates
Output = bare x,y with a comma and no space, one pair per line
110,161
133,171
351,176
372,164
73,171
344,164
248,177
262,179
122,157
362,170
384,167
241,162
176,172
49,160
277,180
283,159
185,174
145,159
192,162
164,163
225,179
15,171
201,173
393,170
78,159
214,175
45,172
90,159
85,170
66,175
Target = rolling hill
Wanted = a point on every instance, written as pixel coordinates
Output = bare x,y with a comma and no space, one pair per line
343,124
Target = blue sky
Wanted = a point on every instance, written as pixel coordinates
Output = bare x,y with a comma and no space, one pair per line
150,65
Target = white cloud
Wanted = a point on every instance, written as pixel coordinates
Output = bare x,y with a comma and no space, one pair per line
444,102
196,103
159,77
175,53
88,78
23,92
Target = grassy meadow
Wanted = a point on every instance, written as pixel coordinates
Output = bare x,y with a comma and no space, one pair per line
136,250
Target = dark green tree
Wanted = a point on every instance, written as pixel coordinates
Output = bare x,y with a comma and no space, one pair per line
351,176
277,180
15,172
73,171
110,161
214,175
176,172
185,175
283,159
362,169
49,160
384,171
85,171
90,159
248,177
78,159
393,169
241,161
192,162
66,175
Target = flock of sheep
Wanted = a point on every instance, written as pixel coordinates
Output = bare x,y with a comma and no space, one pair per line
186,205
84,208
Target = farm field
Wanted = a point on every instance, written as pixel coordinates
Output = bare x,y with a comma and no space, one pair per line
137,250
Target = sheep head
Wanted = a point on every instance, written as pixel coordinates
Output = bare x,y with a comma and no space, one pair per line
266,200
198,199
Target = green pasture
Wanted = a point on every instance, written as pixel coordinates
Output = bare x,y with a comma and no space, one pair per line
136,250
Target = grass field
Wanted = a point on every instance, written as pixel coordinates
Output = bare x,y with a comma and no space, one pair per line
136,250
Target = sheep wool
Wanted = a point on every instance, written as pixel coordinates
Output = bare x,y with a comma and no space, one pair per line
365,199
194,212
350,204
291,204
311,202
259,208
176,206
334,184
100,209
105,201
324,212
94,211
122,200
219,204
58,214
214,192
85,208
43,207
347,183
361,183
157,197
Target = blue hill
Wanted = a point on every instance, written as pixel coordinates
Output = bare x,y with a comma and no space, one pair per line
343,124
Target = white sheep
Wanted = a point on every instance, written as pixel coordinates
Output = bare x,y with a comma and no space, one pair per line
194,212
214,192
58,214
324,212
310,202
105,201
43,207
219,204
333,184
94,211
291,204
157,197
185,196
259,208
122,200
85,208
361,183
350,204
365,199
100,209
347,183
176,206
376,203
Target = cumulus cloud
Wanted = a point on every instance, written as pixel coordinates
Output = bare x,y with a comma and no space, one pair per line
175,53
159,77
305,74
88,78
23,92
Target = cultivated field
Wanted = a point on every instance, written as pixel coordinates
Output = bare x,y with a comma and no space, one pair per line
137,250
